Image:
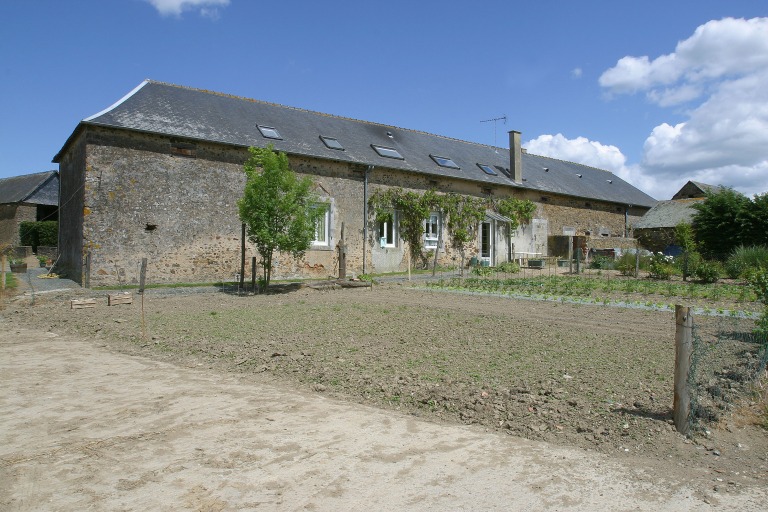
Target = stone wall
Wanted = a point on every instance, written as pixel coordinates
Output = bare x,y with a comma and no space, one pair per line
11,217
71,210
131,196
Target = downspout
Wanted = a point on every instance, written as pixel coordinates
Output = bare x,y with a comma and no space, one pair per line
626,221
365,215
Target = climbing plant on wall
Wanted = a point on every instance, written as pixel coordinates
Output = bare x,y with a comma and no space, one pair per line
519,211
461,215
412,208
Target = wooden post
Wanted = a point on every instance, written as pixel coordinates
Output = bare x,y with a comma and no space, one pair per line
570,255
342,247
637,262
683,353
242,260
578,260
253,274
142,278
409,262
3,259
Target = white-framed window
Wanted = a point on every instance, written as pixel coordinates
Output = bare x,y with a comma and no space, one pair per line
323,227
387,235
431,230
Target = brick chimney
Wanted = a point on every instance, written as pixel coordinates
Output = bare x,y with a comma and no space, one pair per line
515,157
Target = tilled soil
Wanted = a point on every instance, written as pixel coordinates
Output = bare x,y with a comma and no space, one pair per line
580,375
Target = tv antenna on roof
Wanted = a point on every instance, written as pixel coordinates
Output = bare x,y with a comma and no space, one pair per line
495,120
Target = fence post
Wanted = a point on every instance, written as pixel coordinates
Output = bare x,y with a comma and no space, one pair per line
683,353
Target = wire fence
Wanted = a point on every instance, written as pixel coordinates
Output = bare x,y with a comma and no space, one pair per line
728,357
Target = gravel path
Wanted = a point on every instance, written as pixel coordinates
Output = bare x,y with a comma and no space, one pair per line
83,427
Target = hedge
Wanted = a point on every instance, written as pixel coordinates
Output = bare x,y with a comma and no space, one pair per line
44,233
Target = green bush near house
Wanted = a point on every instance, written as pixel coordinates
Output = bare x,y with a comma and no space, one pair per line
744,259
601,262
708,271
661,266
35,234
510,267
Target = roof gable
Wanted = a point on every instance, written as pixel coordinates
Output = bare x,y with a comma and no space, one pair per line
155,107
695,189
38,188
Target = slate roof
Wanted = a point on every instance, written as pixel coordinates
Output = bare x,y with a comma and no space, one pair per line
160,108
668,214
696,189
38,188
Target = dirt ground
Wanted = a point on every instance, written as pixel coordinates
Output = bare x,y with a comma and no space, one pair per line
451,377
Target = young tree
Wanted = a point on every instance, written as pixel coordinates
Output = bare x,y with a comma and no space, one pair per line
278,209
690,258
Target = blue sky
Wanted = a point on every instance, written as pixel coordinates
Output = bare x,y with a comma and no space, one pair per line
657,92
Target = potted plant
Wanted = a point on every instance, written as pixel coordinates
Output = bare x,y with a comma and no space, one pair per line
18,266
43,260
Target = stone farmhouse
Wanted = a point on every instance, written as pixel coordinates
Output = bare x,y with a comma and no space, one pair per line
158,174
31,197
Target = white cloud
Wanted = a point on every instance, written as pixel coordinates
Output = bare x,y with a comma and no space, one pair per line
750,180
576,73
580,150
717,50
721,73
207,8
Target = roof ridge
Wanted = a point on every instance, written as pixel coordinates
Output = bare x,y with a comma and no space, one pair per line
280,105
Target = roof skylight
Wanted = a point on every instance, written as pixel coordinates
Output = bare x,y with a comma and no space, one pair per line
487,169
332,143
387,152
269,132
444,161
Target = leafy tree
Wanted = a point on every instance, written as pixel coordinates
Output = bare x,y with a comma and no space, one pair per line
717,222
754,221
278,209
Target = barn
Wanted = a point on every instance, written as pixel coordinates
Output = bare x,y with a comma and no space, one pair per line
157,175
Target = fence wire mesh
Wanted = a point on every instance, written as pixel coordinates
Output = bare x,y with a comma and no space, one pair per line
728,357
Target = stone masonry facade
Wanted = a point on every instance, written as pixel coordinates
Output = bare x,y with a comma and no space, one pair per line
132,196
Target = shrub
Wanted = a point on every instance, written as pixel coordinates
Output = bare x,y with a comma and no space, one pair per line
743,259
482,271
660,266
510,267
601,262
626,264
708,271
687,263
758,281
40,233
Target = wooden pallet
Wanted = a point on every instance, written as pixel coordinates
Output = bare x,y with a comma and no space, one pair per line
119,298
82,303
